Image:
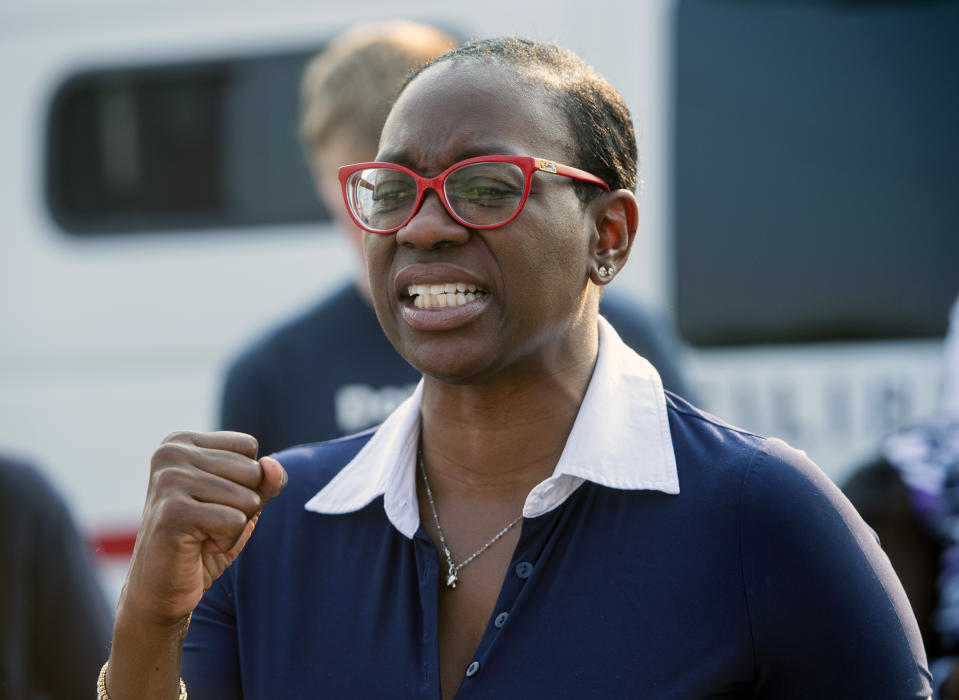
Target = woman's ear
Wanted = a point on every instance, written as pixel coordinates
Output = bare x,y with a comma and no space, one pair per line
616,217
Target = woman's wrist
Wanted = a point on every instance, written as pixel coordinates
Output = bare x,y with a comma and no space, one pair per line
102,693
145,658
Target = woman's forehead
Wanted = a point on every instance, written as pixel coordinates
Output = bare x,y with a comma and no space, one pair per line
462,109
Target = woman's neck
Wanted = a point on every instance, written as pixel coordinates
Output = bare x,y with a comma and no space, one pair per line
505,436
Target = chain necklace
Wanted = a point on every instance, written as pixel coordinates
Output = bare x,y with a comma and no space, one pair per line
454,569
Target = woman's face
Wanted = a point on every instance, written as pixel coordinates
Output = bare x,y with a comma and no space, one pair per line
532,305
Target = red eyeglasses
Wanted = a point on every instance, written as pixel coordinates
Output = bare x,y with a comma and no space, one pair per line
480,193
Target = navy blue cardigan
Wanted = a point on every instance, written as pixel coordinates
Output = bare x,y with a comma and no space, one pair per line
759,580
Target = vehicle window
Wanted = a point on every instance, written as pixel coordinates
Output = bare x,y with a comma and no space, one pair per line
179,147
816,170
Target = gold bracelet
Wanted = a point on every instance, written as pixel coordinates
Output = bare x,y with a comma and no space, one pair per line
102,685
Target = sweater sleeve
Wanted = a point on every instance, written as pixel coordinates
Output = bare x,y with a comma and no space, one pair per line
211,664
828,616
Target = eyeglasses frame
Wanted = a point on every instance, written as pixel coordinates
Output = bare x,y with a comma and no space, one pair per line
528,164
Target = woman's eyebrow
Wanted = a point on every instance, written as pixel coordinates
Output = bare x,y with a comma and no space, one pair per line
396,157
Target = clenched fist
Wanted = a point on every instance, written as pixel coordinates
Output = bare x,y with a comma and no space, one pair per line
206,492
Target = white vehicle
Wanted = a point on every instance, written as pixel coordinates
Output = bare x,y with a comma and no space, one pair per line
799,211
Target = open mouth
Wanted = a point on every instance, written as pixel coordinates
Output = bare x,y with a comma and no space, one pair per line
435,296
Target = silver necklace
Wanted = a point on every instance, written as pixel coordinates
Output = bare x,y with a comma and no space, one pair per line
454,569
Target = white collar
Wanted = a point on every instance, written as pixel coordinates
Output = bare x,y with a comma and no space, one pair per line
620,439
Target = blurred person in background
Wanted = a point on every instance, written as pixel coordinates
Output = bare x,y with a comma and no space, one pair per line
910,496
331,371
54,621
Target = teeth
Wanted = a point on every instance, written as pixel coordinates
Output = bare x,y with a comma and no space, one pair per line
427,296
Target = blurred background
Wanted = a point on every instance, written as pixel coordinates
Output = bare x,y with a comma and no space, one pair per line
799,229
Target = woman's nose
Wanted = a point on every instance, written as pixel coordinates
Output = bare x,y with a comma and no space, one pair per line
432,226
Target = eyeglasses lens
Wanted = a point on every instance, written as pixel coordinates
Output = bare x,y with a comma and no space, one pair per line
485,194
381,198
481,194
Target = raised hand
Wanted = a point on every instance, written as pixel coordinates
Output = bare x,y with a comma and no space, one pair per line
206,491
205,494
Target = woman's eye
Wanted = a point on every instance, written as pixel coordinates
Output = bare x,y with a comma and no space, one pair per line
390,190
394,192
487,191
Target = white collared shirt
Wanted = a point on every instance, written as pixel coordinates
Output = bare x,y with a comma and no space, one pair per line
620,439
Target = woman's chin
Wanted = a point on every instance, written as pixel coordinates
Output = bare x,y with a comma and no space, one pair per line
455,368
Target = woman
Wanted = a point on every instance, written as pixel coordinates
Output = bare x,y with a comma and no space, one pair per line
540,519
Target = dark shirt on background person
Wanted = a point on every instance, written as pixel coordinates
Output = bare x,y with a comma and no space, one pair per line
331,371
909,495
55,625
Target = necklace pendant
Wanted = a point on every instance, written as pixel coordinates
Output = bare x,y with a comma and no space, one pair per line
451,580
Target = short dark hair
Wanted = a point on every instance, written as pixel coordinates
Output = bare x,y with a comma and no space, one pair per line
599,121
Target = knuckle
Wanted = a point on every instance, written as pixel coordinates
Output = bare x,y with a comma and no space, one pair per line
179,436
167,479
168,453
170,510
